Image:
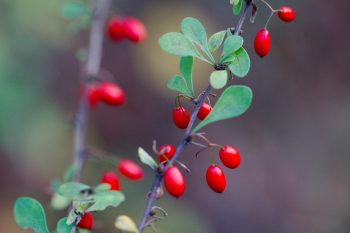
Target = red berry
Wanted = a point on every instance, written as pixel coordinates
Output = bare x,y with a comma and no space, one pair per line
166,152
181,117
230,157
115,29
204,111
92,94
216,179
174,181
286,14
86,222
262,42
134,29
111,94
112,179
130,170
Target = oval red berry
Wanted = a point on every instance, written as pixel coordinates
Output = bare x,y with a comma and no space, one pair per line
262,42
216,179
286,14
130,170
181,117
92,94
134,30
166,152
230,157
111,94
112,179
115,29
174,181
86,222
204,111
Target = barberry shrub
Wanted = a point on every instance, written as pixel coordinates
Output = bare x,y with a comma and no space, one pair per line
223,51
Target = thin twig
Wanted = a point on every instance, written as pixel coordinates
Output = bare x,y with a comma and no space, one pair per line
91,70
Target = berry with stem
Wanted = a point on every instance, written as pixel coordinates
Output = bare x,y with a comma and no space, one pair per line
204,111
174,181
230,157
134,30
111,94
286,14
216,179
166,152
112,179
181,117
115,29
262,42
86,222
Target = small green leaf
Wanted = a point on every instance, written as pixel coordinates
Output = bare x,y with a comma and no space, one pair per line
72,189
237,7
194,29
30,214
240,63
147,159
216,40
231,45
59,202
178,83
218,79
233,102
102,200
125,224
234,2
186,66
102,187
177,44
63,227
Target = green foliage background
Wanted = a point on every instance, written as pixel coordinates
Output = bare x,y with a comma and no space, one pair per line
294,139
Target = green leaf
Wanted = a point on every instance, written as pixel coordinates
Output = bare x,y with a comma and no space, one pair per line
30,214
240,63
234,2
72,189
237,7
177,44
178,83
125,224
186,66
102,187
105,199
216,40
63,227
147,159
194,29
218,79
231,45
233,102
59,202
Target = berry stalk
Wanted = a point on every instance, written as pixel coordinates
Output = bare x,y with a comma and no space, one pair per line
90,71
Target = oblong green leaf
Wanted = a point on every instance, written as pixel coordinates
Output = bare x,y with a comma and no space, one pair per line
240,64
194,29
147,159
178,83
72,189
218,79
237,7
102,200
59,202
29,213
233,102
63,227
231,45
216,40
186,66
177,44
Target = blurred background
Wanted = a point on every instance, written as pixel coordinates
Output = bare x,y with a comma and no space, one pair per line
294,140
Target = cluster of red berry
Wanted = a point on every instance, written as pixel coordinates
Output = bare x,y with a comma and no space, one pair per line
174,181
262,41
106,92
126,168
129,27
181,116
